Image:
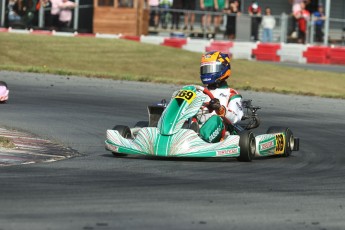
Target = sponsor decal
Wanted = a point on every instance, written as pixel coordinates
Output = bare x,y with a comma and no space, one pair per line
227,152
223,95
266,145
215,134
207,79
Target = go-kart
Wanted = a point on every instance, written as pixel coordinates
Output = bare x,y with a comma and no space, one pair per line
3,92
172,132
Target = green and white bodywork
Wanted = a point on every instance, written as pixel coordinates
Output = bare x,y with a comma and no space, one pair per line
170,139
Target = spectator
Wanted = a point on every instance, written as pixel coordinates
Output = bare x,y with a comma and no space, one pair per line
268,23
177,5
13,11
319,18
254,10
189,17
206,5
232,11
154,12
165,5
65,15
219,6
296,7
302,18
54,14
28,11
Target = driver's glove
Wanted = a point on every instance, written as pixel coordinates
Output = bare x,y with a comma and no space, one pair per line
214,104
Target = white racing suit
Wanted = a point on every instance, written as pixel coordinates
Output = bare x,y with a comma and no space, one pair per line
213,125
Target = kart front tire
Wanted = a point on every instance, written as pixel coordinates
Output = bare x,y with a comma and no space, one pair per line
125,132
247,146
289,138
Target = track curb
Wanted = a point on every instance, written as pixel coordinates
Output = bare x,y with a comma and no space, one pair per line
30,149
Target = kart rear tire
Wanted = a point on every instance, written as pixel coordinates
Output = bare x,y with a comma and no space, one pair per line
247,146
289,142
125,132
141,124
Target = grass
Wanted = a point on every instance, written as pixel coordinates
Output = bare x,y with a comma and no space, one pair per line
6,142
128,60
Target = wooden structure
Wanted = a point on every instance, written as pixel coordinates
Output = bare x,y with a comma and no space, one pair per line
127,17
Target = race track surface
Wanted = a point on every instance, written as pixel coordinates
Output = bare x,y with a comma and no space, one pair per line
97,191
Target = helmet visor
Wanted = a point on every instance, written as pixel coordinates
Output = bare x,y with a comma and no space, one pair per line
211,67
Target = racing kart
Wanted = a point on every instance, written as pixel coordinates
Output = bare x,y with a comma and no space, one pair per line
3,92
172,132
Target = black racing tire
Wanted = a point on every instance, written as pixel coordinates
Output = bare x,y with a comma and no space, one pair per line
125,132
141,124
289,142
192,126
247,146
195,127
3,83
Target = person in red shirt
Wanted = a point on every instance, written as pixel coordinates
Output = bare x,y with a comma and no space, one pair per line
302,18
254,10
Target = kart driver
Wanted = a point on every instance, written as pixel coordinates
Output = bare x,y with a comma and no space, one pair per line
225,109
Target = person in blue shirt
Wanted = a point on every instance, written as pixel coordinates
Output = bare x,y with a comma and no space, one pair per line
319,21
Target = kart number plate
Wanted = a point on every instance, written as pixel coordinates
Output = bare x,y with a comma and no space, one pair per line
280,144
186,95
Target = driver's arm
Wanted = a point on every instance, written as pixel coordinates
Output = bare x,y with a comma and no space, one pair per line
234,111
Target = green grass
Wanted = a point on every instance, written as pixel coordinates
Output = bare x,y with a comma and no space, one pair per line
6,142
128,60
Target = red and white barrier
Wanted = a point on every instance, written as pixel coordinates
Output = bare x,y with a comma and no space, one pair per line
276,52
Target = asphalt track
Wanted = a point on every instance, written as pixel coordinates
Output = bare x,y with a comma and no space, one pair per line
97,191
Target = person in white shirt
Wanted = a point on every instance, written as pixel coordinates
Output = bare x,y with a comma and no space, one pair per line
268,23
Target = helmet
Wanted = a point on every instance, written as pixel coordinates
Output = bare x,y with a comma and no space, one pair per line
215,67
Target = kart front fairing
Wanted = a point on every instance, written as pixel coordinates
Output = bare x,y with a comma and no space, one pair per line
169,138
184,143
3,92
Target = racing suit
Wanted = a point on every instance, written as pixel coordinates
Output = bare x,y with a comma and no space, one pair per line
214,122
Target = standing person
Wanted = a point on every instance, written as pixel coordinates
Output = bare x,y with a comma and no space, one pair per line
13,11
207,5
189,17
268,23
319,18
296,7
154,13
54,14
254,10
177,5
302,18
65,15
29,9
225,109
219,6
165,6
232,11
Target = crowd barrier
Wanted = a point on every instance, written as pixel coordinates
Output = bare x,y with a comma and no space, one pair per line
276,52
